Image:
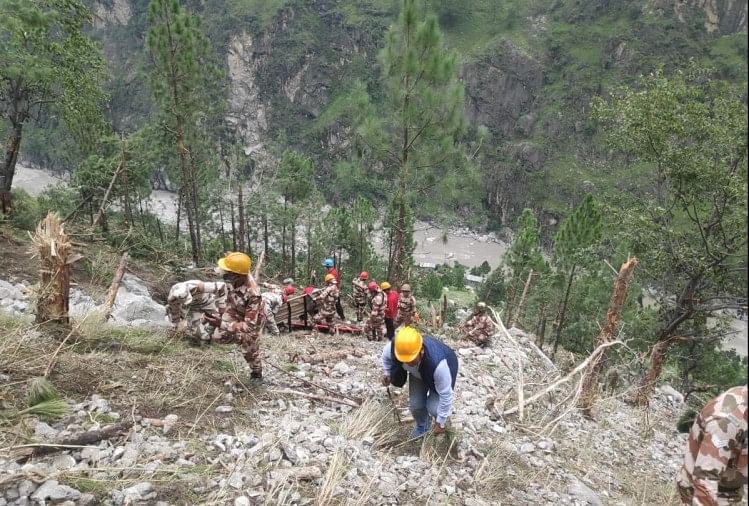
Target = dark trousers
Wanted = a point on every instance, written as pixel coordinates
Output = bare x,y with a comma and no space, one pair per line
389,328
339,308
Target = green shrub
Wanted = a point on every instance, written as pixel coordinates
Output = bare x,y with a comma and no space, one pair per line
26,213
431,286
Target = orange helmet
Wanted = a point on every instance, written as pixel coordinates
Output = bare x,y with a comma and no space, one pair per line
329,278
364,275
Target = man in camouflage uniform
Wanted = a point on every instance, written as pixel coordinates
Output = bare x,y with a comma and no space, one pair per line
360,294
189,301
479,327
328,298
406,307
272,301
715,463
245,310
373,327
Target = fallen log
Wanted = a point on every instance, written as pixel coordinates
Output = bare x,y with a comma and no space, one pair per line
87,438
333,355
321,398
115,286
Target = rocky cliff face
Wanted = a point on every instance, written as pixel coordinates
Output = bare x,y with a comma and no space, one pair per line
721,16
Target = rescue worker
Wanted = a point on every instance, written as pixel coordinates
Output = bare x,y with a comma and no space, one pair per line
406,307
328,298
360,294
373,327
715,462
479,327
329,264
391,309
288,285
189,301
431,368
273,301
245,310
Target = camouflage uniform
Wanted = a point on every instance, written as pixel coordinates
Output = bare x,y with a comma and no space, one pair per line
188,301
245,317
360,297
406,307
328,296
715,463
373,327
479,328
273,301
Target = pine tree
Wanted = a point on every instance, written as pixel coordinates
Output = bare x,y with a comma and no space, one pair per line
47,64
414,132
580,231
182,78
363,218
524,253
295,182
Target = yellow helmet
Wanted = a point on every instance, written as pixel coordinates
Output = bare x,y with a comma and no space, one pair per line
384,285
407,344
329,278
235,262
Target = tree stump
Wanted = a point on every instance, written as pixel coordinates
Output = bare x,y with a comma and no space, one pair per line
53,252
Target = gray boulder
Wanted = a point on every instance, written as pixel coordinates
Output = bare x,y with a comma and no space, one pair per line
53,491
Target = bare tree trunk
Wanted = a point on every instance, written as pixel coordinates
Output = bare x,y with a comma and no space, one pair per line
221,219
293,248
8,169
563,311
103,206
400,243
115,286
541,334
618,297
240,206
233,227
283,236
657,356
53,248
179,214
519,309
161,232
265,232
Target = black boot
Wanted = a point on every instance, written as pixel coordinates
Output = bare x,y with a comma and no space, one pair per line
256,378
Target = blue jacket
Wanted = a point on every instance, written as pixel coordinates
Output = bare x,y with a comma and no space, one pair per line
434,352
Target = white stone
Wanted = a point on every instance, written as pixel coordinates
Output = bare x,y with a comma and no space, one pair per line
242,501
63,462
224,409
53,491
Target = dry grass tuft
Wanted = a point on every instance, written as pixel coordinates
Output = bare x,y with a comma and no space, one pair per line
643,490
332,478
371,421
501,472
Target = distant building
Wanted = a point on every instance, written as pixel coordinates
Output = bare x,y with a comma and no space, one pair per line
474,281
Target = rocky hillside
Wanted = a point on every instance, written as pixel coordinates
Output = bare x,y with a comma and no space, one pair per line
185,427
321,431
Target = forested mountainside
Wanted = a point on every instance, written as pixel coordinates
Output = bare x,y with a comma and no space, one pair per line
530,69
